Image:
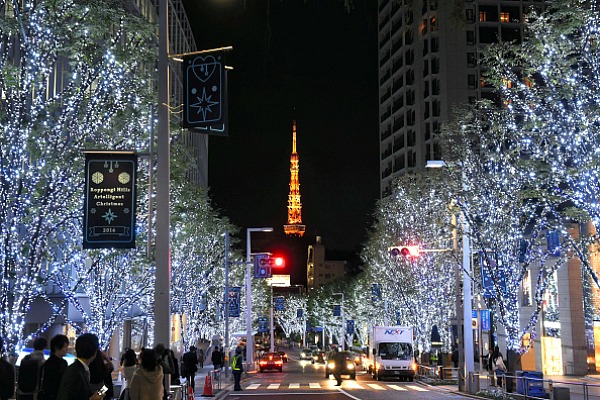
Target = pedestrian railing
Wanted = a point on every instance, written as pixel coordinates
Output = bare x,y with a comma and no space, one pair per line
216,379
531,386
437,372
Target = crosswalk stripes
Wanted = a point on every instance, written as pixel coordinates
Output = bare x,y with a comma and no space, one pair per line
349,384
375,386
417,388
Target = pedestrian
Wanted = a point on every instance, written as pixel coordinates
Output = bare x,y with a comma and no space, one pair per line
201,358
166,363
75,382
54,368
29,371
190,367
147,381
338,360
237,367
217,358
128,367
498,365
7,375
175,376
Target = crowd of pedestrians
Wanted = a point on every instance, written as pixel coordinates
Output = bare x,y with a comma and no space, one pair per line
90,376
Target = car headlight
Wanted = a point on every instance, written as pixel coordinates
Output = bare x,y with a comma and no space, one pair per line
331,365
350,366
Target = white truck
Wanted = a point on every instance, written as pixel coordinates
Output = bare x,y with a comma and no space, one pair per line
392,352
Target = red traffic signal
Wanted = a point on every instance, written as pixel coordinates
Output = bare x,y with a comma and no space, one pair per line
405,251
278,262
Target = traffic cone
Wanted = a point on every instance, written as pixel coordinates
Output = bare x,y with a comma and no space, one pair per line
208,390
190,393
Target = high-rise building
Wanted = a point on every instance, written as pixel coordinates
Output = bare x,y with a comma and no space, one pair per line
428,52
294,225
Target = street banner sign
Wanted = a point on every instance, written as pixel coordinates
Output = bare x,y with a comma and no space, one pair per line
487,282
337,310
376,292
350,326
234,301
205,93
485,320
279,304
110,196
553,243
300,313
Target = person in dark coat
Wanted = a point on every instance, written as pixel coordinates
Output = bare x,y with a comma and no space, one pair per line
75,383
190,366
217,358
54,368
176,375
201,358
7,376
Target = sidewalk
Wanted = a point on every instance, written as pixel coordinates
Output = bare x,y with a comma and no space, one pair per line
572,382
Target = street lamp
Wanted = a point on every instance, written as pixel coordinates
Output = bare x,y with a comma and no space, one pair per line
466,354
249,338
343,322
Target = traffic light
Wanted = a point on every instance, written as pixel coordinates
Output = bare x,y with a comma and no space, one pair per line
262,267
405,251
264,263
277,262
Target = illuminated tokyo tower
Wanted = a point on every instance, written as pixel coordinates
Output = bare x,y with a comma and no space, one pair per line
294,226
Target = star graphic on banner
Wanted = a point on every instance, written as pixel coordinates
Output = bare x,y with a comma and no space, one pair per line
109,216
204,104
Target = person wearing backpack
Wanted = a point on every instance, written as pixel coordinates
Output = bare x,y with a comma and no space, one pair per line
237,367
53,368
7,376
29,373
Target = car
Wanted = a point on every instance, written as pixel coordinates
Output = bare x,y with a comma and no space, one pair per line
283,355
347,367
306,354
318,356
270,361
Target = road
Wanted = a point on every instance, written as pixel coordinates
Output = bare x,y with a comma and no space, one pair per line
301,378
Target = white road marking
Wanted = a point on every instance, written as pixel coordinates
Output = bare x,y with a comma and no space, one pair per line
253,386
417,388
375,386
273,386
396,387
314,385
294,385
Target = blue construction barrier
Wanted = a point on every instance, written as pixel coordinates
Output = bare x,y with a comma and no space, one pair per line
530,383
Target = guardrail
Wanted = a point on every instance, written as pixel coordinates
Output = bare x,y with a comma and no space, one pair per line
437,372
521,385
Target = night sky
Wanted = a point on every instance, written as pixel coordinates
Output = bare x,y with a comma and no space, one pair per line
312,61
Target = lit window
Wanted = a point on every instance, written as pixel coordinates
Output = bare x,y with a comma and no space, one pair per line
504,17
482,16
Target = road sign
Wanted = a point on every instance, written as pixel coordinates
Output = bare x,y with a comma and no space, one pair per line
337,310
279,304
